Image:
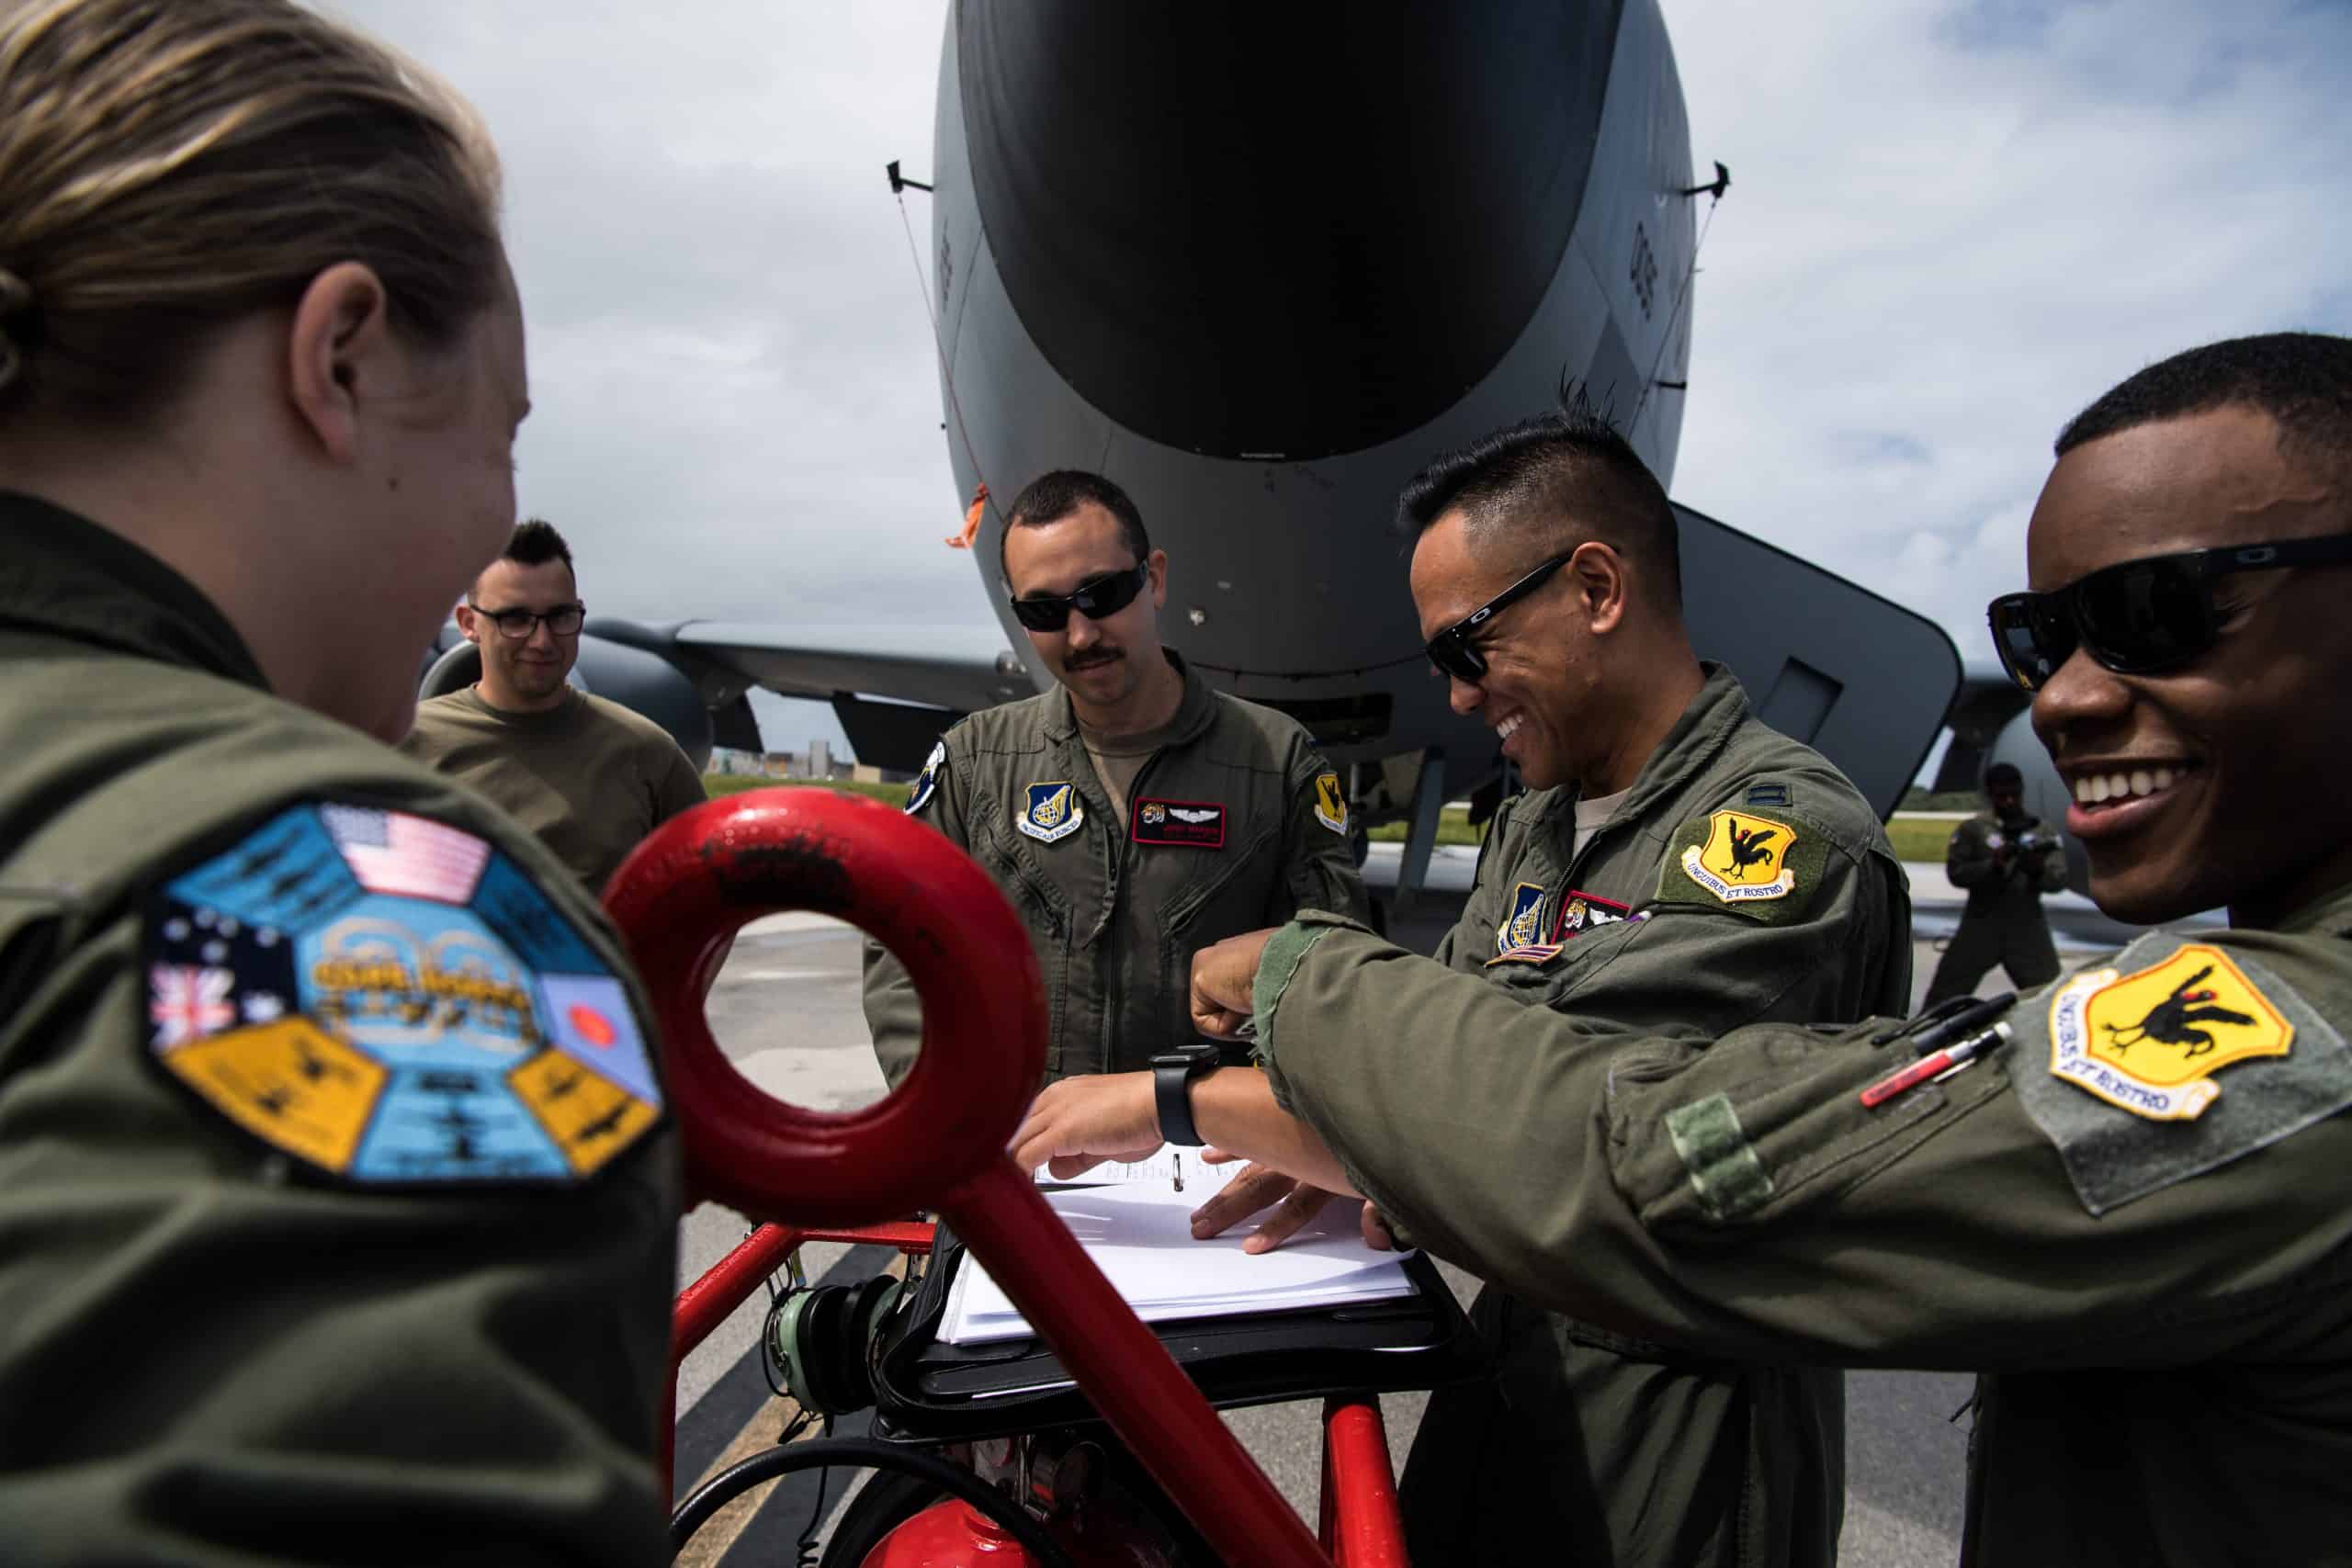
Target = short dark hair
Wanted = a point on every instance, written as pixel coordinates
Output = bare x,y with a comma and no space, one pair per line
2003,774
1052,497
1534,475
534,543
2303,381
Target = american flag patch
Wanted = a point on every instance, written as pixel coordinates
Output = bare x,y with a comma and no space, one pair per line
395,853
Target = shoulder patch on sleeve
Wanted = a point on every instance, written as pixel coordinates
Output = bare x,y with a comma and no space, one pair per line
392,1002
927,781
2176,1058
1331,803
1766,867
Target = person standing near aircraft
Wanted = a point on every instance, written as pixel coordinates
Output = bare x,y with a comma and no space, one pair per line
1133,814
2005,863
2120,1201
591,777
1680,866
301,1047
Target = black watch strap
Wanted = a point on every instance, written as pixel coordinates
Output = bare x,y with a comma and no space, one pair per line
1171,1088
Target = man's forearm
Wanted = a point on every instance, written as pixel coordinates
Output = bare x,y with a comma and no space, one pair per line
1234,1108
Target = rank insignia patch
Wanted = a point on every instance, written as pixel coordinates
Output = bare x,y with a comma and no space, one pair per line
2150,1042
1524,925
1193,824
1331,803
926,782
390,1000
1538,953
1053,813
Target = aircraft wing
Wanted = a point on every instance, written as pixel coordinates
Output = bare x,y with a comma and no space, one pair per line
957,669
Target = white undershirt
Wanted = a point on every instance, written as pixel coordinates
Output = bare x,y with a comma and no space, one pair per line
1593,812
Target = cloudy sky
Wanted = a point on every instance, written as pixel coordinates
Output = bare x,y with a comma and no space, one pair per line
1950,225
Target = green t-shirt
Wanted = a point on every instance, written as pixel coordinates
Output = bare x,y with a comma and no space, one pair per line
590,778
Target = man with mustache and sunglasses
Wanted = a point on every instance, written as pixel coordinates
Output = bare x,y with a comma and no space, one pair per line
1680,866
1133,815
2120,1199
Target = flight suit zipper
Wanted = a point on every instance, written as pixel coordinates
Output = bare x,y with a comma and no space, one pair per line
1122,858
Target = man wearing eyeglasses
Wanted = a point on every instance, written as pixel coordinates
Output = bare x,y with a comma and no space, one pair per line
1133,815
2122,1199
591,777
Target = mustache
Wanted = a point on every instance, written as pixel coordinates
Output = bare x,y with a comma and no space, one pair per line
1089,659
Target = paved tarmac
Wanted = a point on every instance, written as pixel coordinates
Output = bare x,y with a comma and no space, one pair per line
787,1009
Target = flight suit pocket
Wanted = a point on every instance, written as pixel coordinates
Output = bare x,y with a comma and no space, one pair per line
1049,926
1235,898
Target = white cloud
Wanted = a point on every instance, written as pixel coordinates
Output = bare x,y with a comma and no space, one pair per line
1949,226
1952,227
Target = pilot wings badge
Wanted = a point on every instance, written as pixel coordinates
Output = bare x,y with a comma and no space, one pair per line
1053,812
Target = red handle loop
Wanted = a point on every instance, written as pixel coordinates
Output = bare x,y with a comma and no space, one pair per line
706,872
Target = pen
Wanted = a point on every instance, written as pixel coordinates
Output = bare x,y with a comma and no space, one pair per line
1179,1162
1935,1065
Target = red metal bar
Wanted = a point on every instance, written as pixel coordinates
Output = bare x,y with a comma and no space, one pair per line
1359,1491
1126,1370
943,1131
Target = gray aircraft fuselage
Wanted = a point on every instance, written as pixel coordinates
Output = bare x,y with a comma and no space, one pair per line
1259,265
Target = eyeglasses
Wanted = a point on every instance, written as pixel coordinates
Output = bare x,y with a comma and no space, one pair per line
2138,617
1450,650
563,620
1096,599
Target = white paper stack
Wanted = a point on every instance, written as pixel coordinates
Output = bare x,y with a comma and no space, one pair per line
1139,1233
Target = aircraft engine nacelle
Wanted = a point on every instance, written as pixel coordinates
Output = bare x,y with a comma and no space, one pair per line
619,662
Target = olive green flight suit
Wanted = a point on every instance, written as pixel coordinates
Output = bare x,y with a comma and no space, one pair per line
1593,1446
241,1321
1236,824
2159,1302
2003,923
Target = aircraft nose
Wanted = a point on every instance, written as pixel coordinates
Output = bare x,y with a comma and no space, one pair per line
1319,236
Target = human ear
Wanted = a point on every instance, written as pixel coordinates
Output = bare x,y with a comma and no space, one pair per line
1598,573
338,349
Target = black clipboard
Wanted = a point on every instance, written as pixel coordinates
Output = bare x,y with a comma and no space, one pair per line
927,1391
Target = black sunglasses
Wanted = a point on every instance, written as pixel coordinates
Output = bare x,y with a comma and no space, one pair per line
2138,617
1450,650
563,620
1096,598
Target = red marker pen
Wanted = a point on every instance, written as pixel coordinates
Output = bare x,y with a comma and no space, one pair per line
1935,1065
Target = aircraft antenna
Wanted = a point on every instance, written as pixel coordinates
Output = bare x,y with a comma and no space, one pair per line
1713,191
899,186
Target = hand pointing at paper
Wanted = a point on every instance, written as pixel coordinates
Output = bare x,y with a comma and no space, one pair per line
1079,1123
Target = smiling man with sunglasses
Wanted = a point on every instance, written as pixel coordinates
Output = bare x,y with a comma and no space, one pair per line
1677,866
2122,1199
591,777
1133,814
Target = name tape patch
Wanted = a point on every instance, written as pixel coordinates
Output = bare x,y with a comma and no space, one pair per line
1187,824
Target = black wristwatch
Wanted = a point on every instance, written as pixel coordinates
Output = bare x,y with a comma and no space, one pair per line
1172,1073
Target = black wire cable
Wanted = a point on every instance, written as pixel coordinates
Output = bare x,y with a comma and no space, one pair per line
866,1454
